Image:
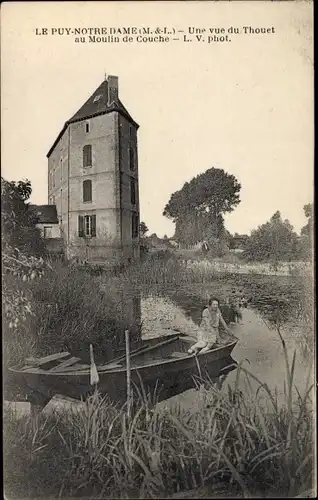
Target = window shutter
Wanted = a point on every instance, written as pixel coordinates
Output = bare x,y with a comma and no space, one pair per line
134,225
137,226
132,191
87,155
87,190
93,225
131,158
81,226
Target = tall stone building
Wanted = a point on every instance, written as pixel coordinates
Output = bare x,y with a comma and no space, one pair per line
93,179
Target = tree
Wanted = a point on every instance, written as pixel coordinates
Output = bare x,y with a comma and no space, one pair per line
307,230
143,229
273,241
198,207
18,221
21,246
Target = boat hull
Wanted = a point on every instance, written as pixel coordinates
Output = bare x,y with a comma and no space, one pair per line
166,378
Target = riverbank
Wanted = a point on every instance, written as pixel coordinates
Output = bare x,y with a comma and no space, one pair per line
260,268
226,440
229,441
244,437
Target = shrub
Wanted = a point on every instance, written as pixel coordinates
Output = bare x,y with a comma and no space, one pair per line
71,311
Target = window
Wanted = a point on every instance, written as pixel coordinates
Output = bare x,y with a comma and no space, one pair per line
134,225
130,131
97,98
87,191
132,191
47,232
86,226
86,128
87,155
131,158
52,180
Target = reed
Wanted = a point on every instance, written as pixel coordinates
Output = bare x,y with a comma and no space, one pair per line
247,443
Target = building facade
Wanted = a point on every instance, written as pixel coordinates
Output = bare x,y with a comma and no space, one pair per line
48,224
93,179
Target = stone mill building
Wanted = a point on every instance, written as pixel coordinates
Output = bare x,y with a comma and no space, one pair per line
93,179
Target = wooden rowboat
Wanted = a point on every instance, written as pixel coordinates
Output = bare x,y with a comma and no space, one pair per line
164,364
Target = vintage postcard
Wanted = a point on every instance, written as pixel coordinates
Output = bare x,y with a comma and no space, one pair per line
158,249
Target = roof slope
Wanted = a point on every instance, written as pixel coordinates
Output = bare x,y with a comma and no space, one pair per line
46,214
96,104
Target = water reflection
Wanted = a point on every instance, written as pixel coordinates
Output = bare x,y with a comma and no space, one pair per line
166,388
150,317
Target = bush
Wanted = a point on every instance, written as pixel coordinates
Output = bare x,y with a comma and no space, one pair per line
273,241
69,311
217,248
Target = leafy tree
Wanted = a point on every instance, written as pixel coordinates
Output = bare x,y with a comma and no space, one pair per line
143,229
21,248
308,228
307,232
18,221
198,207
273,241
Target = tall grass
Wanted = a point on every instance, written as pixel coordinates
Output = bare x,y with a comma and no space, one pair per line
75,306
70,312
232,441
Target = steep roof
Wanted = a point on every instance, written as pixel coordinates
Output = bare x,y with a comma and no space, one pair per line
96,104
46,214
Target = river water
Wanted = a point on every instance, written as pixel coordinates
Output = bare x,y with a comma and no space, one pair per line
259,347
260,350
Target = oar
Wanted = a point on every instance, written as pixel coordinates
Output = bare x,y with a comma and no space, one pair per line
94,378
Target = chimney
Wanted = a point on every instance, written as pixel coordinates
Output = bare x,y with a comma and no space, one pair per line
112,89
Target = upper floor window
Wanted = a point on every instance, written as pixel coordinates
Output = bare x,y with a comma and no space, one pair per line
86,128
131,158
87,155
87,190
132,191
52,179
134,225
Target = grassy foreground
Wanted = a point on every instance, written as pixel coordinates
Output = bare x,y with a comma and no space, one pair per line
231,442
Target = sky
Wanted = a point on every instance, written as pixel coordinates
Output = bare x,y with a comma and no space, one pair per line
245,106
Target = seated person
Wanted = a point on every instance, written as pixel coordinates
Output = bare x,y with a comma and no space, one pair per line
209,334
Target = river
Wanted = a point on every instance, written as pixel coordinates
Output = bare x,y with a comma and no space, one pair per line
259,347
